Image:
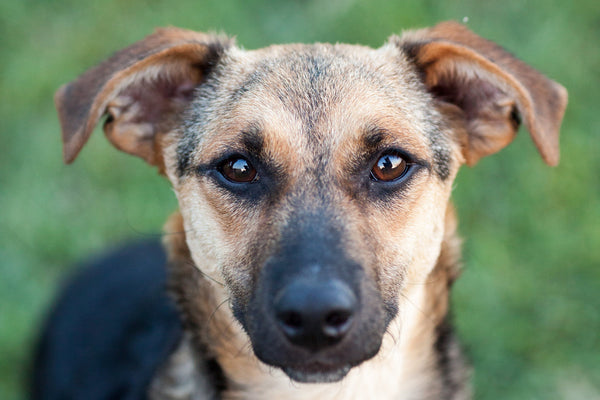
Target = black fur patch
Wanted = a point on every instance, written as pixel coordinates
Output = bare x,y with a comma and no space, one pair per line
446,362
110,330
442,160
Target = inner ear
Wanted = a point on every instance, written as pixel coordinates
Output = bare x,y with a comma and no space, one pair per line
490,113
148,104
147,107
473,94
152,98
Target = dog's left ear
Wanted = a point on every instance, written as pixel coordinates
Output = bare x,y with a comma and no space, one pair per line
491,87
141,88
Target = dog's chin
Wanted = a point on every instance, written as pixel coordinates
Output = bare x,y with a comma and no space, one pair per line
317,374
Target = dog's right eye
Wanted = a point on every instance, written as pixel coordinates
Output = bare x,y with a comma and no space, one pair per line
239,170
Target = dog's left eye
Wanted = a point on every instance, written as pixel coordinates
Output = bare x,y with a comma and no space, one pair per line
389,167
238,169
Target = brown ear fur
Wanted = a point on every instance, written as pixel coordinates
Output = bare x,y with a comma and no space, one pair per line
141,87
490,86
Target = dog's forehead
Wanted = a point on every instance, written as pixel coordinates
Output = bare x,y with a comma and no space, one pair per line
328,69
294,95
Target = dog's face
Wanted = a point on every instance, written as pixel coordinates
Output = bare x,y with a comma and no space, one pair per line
313,180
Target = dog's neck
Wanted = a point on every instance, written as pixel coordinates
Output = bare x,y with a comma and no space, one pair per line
419,357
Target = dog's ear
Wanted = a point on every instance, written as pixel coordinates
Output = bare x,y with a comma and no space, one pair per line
491,87
141,88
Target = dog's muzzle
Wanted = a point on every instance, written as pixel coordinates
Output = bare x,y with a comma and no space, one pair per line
315,327
313,310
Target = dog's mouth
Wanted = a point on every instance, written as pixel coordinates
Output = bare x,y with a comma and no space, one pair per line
317,373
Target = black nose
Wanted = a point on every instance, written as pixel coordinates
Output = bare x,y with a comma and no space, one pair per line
315,315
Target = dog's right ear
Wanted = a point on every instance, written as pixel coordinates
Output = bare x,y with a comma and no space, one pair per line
141,88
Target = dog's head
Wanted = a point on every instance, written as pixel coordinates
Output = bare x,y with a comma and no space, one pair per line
313,179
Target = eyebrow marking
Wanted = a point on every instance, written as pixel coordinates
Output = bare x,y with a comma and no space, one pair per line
249,141
373,138
252,140
377,140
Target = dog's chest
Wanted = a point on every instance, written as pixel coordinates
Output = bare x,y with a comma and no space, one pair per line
363,384
387,381
180,378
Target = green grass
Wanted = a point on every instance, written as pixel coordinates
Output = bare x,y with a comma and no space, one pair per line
527,306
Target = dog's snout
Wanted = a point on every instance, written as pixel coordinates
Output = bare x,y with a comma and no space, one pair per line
315,315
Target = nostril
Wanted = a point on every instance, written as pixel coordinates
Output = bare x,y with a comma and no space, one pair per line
337,323
337,318
291,319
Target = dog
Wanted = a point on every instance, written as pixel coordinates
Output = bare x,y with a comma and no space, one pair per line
315,244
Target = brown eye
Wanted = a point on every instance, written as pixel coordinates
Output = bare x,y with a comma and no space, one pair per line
238,169
389,167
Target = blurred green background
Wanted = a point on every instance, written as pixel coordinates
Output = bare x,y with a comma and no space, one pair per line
528,304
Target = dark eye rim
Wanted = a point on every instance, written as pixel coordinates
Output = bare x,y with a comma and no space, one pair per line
249,192
235,157
409,160
213,171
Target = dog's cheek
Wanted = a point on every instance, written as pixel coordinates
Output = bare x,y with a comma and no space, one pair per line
202,232
410,236
220,233
204,235
428,220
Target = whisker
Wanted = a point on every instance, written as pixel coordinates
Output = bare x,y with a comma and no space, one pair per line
392,335
190,263
246,347
426,281
409,301
217,309
182,232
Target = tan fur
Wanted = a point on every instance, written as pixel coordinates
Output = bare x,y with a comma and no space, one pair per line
317,115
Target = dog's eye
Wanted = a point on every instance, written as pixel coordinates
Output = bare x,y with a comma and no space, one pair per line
238,169
389,167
